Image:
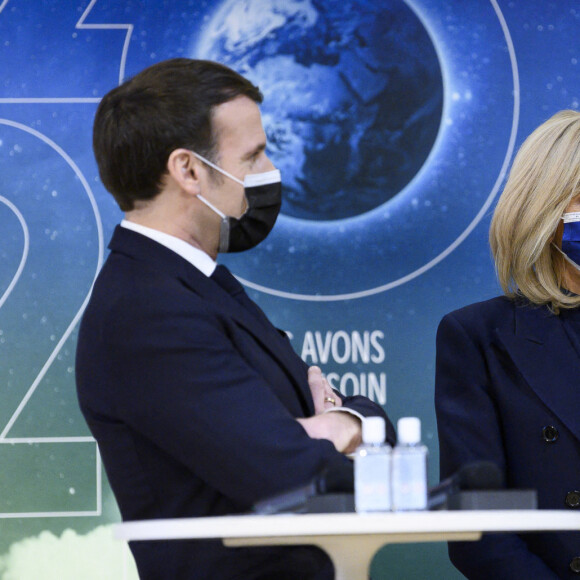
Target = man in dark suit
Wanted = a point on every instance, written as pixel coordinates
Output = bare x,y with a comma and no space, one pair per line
199,405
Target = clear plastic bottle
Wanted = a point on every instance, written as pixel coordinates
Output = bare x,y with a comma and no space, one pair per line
409,469
372,468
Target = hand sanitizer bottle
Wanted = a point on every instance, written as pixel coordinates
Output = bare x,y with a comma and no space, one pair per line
409,470
372,468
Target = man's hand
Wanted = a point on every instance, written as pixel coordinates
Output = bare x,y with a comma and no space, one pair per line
341,429
322,394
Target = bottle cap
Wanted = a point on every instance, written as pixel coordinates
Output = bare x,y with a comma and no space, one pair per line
409,430
373,430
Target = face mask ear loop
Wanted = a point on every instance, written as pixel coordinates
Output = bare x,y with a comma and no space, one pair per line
225,225
217,168
211,206
566,257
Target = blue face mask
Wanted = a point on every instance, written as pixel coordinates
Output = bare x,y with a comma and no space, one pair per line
571,238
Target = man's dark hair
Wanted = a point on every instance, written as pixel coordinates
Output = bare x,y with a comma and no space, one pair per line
166,106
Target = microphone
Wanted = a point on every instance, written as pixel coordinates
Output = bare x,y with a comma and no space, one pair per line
477,475
336,479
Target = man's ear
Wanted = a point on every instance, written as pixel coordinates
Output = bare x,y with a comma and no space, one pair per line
184,168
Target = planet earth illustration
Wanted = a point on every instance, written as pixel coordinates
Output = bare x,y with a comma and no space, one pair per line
353,95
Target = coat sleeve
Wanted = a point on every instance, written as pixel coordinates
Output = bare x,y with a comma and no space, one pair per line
368,408
177,376
361,405
469,430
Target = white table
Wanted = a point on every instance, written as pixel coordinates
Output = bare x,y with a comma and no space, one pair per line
351,540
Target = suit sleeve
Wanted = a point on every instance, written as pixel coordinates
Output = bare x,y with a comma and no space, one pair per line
180,382
365,407
469,430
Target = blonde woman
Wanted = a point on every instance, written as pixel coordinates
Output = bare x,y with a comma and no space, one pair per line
508,369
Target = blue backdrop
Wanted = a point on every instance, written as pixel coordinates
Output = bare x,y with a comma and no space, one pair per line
393,123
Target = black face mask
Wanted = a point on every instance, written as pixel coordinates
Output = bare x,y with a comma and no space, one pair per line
263,193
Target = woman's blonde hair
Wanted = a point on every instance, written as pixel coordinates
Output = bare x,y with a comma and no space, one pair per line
544,178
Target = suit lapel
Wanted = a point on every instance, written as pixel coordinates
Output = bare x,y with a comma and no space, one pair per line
163,259
543,353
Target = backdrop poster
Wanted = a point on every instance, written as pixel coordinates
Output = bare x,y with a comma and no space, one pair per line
393,123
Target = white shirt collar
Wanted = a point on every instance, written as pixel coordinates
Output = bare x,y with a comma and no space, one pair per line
194,256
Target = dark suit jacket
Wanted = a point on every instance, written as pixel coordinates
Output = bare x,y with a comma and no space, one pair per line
192,400
504,373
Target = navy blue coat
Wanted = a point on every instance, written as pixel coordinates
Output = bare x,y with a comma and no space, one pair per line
192,400
508,390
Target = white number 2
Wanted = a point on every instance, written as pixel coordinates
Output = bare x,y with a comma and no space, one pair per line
51,248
